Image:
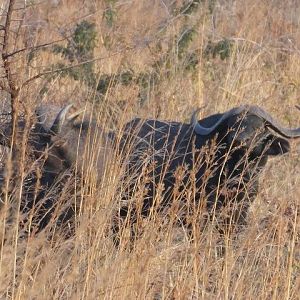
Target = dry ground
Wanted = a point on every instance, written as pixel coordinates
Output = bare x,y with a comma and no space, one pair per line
262,67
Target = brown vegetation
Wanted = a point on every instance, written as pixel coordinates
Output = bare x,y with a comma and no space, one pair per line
176,55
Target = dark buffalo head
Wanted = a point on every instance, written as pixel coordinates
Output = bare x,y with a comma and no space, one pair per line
250,129
62,140
80,142
247,135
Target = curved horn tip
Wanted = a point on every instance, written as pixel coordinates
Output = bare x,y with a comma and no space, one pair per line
200,130
195,113
76,114
60,119
67,107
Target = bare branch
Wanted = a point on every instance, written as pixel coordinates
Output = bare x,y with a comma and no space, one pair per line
7,25
6,64
33,48
9,82
73,66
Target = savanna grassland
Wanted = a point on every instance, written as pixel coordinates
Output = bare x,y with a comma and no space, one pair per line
153,59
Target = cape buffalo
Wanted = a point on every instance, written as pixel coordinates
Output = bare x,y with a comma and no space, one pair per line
58,145
213,163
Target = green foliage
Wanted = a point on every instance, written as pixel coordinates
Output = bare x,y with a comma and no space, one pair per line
222,48
106,80
81,46
79,49
189,7
84,40
31,56
58,49
110,13
185,40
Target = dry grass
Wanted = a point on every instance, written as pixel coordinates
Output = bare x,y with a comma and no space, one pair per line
263,68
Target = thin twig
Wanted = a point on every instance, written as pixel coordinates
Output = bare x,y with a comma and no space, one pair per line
33,48
72,66
11,86
7,25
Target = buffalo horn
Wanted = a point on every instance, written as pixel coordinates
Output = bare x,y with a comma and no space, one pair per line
60,119
272,123
253,110
75,114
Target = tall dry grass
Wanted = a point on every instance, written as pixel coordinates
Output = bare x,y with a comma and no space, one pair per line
263,261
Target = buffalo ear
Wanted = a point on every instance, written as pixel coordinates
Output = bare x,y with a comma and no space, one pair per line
278,146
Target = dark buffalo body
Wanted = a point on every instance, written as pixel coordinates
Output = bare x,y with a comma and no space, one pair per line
214,162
